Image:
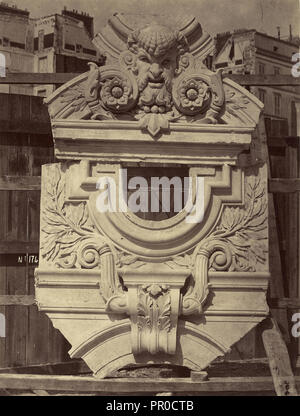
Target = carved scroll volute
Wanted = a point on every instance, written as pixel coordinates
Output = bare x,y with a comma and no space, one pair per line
153,305
208,252
110,286
196,295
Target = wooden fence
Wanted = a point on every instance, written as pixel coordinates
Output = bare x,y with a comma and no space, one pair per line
25,145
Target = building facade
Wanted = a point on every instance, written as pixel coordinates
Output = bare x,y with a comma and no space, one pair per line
55,43
16,44
63,43
252,52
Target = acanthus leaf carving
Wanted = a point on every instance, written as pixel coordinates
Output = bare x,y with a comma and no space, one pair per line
153,315
154,308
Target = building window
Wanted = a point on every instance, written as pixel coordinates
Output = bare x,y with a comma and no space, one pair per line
78,48
89,51
17,45
277,104
36,44
261,68
5,42
276,70
221,65
49,40
69,47
262,95
42,93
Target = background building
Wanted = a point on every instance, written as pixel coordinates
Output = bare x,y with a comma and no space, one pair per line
251,52
16,44
55,43
63,43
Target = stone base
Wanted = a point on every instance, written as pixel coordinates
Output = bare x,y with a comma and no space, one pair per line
110,349
72,300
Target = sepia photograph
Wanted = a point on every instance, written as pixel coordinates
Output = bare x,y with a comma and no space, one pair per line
149,200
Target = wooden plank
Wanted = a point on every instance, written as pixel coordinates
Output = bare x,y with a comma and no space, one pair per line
38,341
264,80
279,360
21,247
20,183
3,270
18,155
38,78
73,367
26,127
22,300
134,385
283,142
293,237
3,235
17,316
228,368
22,154
283,303
61,78
284,185
275,265
58,345
296,125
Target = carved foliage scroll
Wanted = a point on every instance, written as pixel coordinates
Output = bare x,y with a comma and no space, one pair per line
238,243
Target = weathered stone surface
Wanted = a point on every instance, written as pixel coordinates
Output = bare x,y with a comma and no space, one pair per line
125,290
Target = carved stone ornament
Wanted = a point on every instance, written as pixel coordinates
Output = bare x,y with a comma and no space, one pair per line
123,289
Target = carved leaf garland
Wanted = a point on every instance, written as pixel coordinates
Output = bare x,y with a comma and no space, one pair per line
245,229
65,226
242,229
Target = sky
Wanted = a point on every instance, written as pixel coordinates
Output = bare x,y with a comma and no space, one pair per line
214,15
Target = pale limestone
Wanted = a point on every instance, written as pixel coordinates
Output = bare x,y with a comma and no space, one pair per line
111,282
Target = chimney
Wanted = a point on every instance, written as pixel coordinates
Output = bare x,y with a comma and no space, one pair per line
83,17
291,34
278,32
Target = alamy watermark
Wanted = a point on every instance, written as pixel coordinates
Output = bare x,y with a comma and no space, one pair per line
296,67
296,327
2,65
153,196
2,325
